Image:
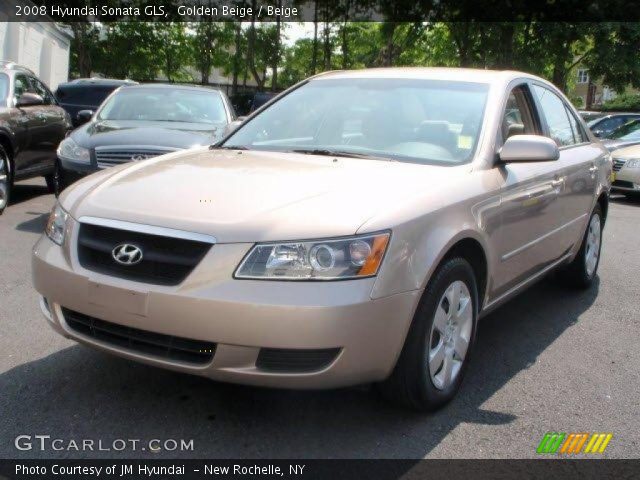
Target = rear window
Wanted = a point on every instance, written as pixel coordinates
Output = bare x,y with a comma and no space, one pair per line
84,95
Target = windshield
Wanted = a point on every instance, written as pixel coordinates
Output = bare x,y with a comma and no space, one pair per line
4,89
164,105
422,121
628,131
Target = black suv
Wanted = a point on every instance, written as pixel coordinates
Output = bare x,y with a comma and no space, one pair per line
31,127
83,96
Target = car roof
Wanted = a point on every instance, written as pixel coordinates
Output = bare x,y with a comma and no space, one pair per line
432,73
172,86
9,66
90,82
620,114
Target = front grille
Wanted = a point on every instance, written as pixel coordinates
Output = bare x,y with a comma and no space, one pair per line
295,361
622,184
141,341
618,164
111,156
165,260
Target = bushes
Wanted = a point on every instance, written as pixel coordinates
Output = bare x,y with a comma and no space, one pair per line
625,102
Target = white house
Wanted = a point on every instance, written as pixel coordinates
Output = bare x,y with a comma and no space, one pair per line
41,46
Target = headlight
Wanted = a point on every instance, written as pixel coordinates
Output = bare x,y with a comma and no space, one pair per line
70,150
333,259
633,163
56,224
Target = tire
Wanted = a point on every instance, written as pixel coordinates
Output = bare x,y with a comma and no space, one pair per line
57,181
6,181
581,272
421,384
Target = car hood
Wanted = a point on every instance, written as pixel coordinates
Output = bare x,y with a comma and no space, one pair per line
612,145
132,132
249,196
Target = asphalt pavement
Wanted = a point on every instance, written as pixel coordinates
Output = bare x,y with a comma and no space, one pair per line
552,359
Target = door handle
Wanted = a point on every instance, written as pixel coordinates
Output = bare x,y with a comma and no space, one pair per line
559,182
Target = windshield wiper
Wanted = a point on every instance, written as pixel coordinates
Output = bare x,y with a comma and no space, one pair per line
338,153
227,147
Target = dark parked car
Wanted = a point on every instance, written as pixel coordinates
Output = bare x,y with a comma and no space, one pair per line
624,136
604,126
31,127
143,121
246,103
259,99
588,116
86,94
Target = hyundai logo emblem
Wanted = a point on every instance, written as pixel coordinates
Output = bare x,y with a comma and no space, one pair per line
138,157
127,254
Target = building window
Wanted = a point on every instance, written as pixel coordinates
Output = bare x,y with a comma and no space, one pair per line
583,75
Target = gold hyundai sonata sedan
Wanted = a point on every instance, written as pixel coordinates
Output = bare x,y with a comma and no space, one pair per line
352,230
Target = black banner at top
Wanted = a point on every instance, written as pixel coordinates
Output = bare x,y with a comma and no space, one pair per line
322,10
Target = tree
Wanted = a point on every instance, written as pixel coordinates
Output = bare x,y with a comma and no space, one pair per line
208,47
84,47
173,48
129,50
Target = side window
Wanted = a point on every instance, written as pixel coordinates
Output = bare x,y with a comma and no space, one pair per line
21,85
610,124
517,118
42,91
556,115
578,133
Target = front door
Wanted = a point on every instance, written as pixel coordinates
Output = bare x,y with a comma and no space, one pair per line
530,207
578,158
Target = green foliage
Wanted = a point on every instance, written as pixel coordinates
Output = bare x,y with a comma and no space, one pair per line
208,47
142,51
626,102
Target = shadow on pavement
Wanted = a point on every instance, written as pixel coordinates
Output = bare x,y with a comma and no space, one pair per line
35,224
23,192
626,199
80,393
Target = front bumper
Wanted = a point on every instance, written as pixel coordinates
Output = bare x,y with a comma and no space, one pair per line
240,316
627,180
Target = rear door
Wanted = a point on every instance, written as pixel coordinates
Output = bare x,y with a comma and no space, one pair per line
53,127
578,158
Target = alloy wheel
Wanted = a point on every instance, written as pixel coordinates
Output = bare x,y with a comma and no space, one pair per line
592,250
450,335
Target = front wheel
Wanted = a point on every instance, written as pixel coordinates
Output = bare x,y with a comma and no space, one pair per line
436,352
583,269
5,180
57,181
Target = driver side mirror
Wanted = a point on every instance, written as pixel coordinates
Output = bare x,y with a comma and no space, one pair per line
84,116
233,125
28,99
529,148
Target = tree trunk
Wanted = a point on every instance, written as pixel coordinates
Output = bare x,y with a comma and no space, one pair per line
81,33
236,58
314,56
327,43
345,37
505,57
276,57
251,44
